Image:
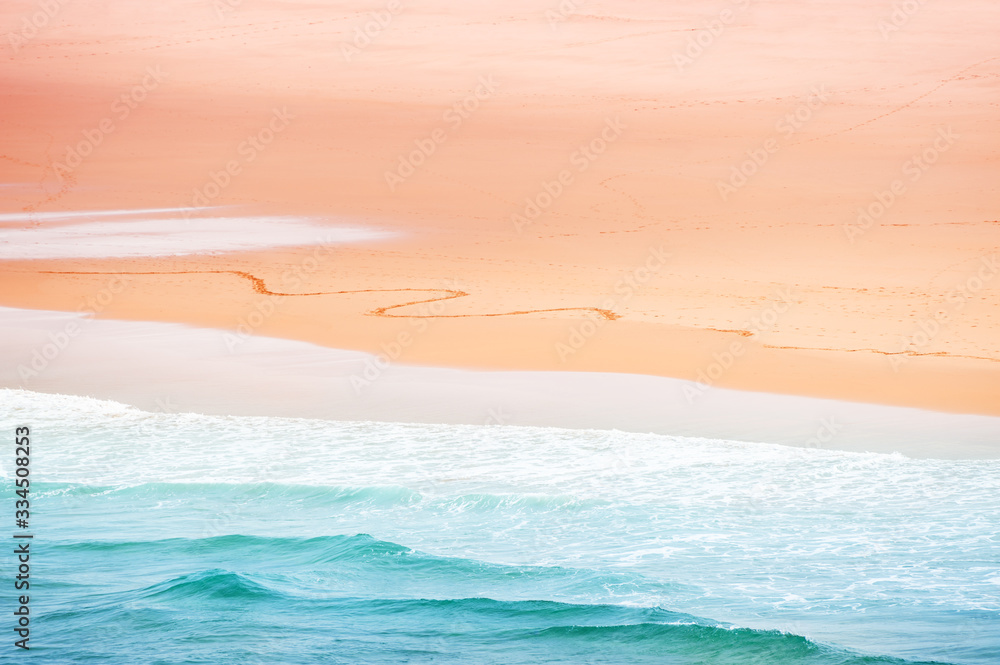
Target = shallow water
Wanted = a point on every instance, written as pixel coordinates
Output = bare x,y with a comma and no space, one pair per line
177,538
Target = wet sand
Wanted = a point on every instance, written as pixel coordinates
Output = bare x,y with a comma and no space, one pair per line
175,368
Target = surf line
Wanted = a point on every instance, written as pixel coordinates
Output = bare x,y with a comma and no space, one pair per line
259,286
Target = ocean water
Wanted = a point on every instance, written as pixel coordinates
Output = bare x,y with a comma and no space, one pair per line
179,538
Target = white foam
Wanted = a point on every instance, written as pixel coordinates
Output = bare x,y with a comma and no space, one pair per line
172,236
531,495
88,214
549,461
176,368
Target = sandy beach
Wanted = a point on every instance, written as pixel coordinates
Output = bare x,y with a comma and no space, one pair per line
547,331
168,369
827,230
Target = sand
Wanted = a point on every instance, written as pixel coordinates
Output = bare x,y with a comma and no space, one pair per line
176,368
583,197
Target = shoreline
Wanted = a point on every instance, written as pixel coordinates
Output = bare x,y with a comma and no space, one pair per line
176,368
543,330
818,231
501,321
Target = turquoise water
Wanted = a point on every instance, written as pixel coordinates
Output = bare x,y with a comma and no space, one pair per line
176,538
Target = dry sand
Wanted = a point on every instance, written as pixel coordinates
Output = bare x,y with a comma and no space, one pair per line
834,302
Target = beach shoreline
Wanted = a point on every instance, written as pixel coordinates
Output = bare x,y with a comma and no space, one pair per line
823,231
173,368
493,319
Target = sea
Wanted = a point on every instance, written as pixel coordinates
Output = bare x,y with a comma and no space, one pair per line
183,538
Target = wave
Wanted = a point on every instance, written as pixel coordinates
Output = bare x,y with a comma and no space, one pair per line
331,566
869,551
391,594
330,496
459,630
318,495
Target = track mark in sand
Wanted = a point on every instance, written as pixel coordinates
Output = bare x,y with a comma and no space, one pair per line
956,77
741,333
66,181
911,354
259,286
640,209
977,259
905,106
